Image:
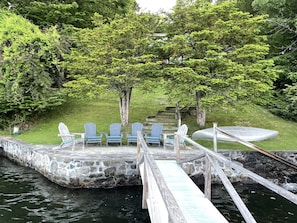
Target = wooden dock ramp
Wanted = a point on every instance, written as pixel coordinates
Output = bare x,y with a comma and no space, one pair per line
190,199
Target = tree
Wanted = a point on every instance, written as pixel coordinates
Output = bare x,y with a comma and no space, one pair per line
291,98
246,6
281,30
112,57
28,73
216,56
78,13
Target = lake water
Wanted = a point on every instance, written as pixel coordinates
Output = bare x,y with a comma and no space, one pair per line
26,196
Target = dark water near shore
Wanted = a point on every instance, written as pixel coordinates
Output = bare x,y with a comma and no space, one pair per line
26,196
265,205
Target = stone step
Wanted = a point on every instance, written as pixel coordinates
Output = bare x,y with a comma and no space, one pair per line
165,117
161,120
166,113
166,129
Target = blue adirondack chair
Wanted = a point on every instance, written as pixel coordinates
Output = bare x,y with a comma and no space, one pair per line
115,135
132,136
92,136
155,135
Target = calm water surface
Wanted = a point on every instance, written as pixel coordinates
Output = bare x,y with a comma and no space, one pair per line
26,196
265,205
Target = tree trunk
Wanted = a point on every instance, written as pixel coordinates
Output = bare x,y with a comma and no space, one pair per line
178,115
200,114
124,104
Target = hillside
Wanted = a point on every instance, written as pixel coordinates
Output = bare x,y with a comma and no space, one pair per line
104,111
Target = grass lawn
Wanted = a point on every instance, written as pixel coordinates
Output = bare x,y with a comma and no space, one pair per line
105,110
102,111
253,116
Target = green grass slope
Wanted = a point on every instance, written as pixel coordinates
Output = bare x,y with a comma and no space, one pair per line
102,111
105,110
253,116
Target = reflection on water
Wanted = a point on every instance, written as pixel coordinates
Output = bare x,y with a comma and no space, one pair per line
26,196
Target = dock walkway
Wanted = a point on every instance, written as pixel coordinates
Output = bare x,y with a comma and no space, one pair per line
192,201
169,194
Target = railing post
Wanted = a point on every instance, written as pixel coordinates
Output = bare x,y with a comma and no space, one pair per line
207,179
138,149
177,146
215,143
145,187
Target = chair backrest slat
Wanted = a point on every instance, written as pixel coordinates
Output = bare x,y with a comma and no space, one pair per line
156,130
136,127
64,131
182,130
90,129
115,129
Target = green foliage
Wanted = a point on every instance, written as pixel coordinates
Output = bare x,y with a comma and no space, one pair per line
77,13
109,57
218,51
284,103
28,75
245,5
112,56
291,96
281,29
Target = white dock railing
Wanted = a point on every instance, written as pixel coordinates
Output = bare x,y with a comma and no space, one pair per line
156,195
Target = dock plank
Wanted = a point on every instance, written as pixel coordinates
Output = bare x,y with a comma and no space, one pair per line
194,205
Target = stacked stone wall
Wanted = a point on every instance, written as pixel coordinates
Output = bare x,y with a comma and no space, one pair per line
73,172
114,170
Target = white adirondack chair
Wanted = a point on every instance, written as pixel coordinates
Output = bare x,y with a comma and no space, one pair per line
70,139
168,139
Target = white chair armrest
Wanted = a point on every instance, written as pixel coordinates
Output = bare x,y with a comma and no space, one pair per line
79,134
71,135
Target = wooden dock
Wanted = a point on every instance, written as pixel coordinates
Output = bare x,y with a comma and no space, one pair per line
194,205
171,196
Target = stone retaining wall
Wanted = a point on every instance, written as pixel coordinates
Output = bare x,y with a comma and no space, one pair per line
72,172
107,171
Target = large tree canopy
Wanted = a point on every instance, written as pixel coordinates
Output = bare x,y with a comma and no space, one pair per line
28,74
78,13
112,56
216,55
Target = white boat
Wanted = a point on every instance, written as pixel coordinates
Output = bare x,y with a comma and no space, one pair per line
250,134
